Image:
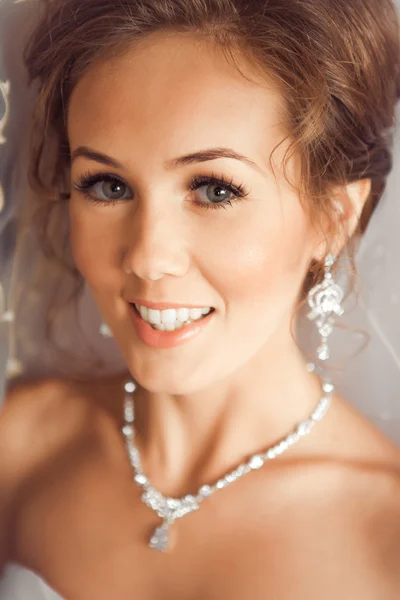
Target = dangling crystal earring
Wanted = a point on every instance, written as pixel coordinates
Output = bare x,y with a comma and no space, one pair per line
325,302
105,331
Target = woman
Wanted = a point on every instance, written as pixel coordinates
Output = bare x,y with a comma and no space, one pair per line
208,163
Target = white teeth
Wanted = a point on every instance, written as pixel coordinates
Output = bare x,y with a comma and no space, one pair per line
195,313
183,314
143,312
171,319
154,317
168,316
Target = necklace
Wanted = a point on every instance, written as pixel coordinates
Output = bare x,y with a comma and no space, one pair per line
171,509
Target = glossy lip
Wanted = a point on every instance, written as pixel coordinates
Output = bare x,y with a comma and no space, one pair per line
166,305
167,339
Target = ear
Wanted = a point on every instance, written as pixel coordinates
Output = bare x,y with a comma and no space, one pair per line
352,199
349,203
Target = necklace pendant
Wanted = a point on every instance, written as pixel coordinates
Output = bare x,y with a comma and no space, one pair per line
160,540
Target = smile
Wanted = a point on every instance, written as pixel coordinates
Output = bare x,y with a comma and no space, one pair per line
171,319
170,327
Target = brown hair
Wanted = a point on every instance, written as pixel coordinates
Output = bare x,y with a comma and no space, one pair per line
335,61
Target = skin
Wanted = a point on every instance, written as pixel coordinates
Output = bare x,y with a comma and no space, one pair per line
248,261
204,406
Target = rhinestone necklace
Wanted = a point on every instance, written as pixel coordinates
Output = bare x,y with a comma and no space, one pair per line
171,509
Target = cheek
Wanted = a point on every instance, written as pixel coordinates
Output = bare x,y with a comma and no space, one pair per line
94,242
263,260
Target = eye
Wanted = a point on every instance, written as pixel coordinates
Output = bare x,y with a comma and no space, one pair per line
216,192
103,188
106,188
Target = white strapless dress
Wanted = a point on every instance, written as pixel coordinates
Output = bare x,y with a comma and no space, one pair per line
18,583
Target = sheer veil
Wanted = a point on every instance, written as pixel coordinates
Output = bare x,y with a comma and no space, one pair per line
369,377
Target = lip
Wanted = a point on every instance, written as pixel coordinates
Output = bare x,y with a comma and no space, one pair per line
167,339
165,305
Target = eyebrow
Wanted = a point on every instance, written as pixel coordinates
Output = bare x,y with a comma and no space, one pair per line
195,157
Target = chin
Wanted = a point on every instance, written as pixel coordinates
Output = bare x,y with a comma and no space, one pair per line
172,378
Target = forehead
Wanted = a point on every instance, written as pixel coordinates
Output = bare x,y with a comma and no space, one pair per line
173,93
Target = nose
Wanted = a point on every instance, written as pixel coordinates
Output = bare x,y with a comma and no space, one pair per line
157,246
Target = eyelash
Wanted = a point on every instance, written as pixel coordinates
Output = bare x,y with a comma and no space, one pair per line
86,182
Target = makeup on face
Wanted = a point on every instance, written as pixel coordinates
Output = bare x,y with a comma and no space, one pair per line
169,327
173,199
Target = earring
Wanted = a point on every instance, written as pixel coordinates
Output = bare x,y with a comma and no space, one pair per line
105,331
325,302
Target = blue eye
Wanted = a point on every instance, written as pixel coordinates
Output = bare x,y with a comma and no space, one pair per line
219,193
106,188
103,188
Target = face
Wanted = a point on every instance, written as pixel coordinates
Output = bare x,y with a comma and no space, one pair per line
221,231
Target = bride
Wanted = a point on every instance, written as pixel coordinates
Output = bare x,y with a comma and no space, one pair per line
203,171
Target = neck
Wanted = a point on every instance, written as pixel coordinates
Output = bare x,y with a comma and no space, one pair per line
188,440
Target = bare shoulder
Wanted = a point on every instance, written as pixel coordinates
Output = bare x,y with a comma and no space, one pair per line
37,419
366,512
377,532
349,490
57,437
34,422
369,498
